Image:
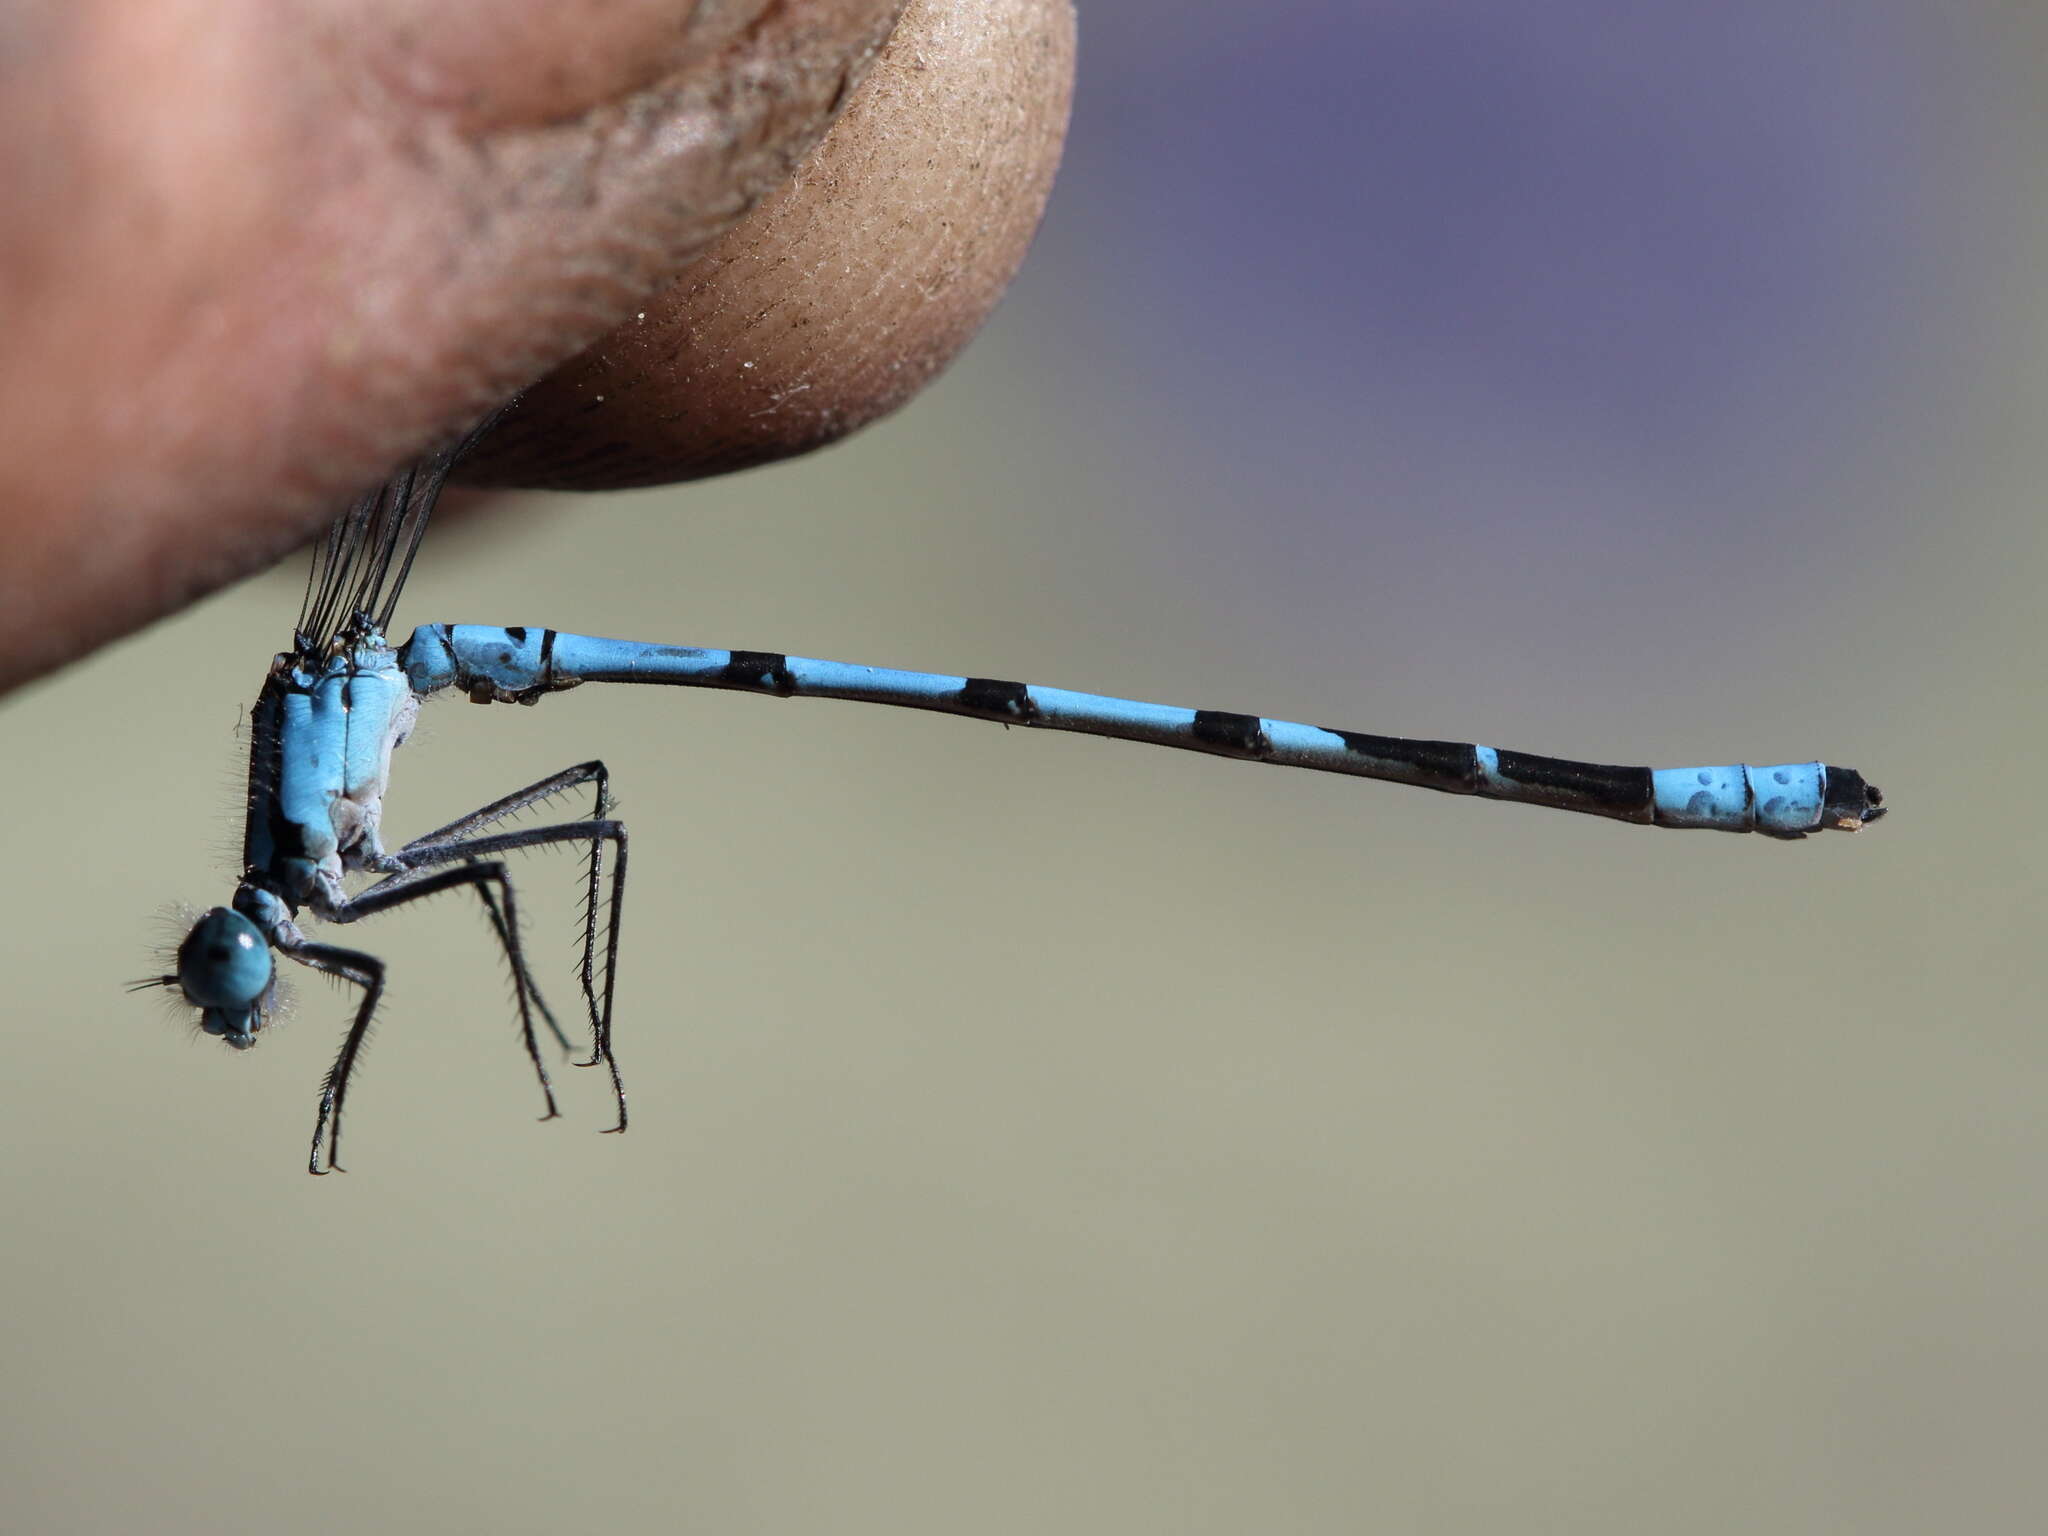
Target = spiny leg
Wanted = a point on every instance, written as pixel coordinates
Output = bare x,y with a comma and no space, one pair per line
423,856
601,1031
600,807
493,884
533,794
498,926
465,828
368,972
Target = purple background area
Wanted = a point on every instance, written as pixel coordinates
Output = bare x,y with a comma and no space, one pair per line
1562,274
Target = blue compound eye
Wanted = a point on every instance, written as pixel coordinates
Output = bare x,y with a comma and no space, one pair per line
224,963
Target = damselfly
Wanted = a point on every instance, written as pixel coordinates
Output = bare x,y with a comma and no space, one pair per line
339,702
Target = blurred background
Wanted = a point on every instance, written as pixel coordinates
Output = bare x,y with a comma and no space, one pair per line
1042,1134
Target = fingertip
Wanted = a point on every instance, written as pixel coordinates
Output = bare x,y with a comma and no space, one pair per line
845,292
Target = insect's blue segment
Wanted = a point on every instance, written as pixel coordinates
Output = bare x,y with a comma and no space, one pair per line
1785,798
338,704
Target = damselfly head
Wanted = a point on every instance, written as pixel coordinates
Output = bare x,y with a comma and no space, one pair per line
225,971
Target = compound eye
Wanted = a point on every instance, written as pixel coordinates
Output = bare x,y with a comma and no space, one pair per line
224,962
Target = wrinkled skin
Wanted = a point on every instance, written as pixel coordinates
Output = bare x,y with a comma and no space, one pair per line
253,256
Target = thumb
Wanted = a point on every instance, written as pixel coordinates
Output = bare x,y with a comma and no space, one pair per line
252,255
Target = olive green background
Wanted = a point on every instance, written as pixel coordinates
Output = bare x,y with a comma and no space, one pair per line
1040,1134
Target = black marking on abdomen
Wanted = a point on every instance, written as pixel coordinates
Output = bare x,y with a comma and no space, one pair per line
1240,735
1601,788
517,632
1450,766
994,699
1850,798
767,671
